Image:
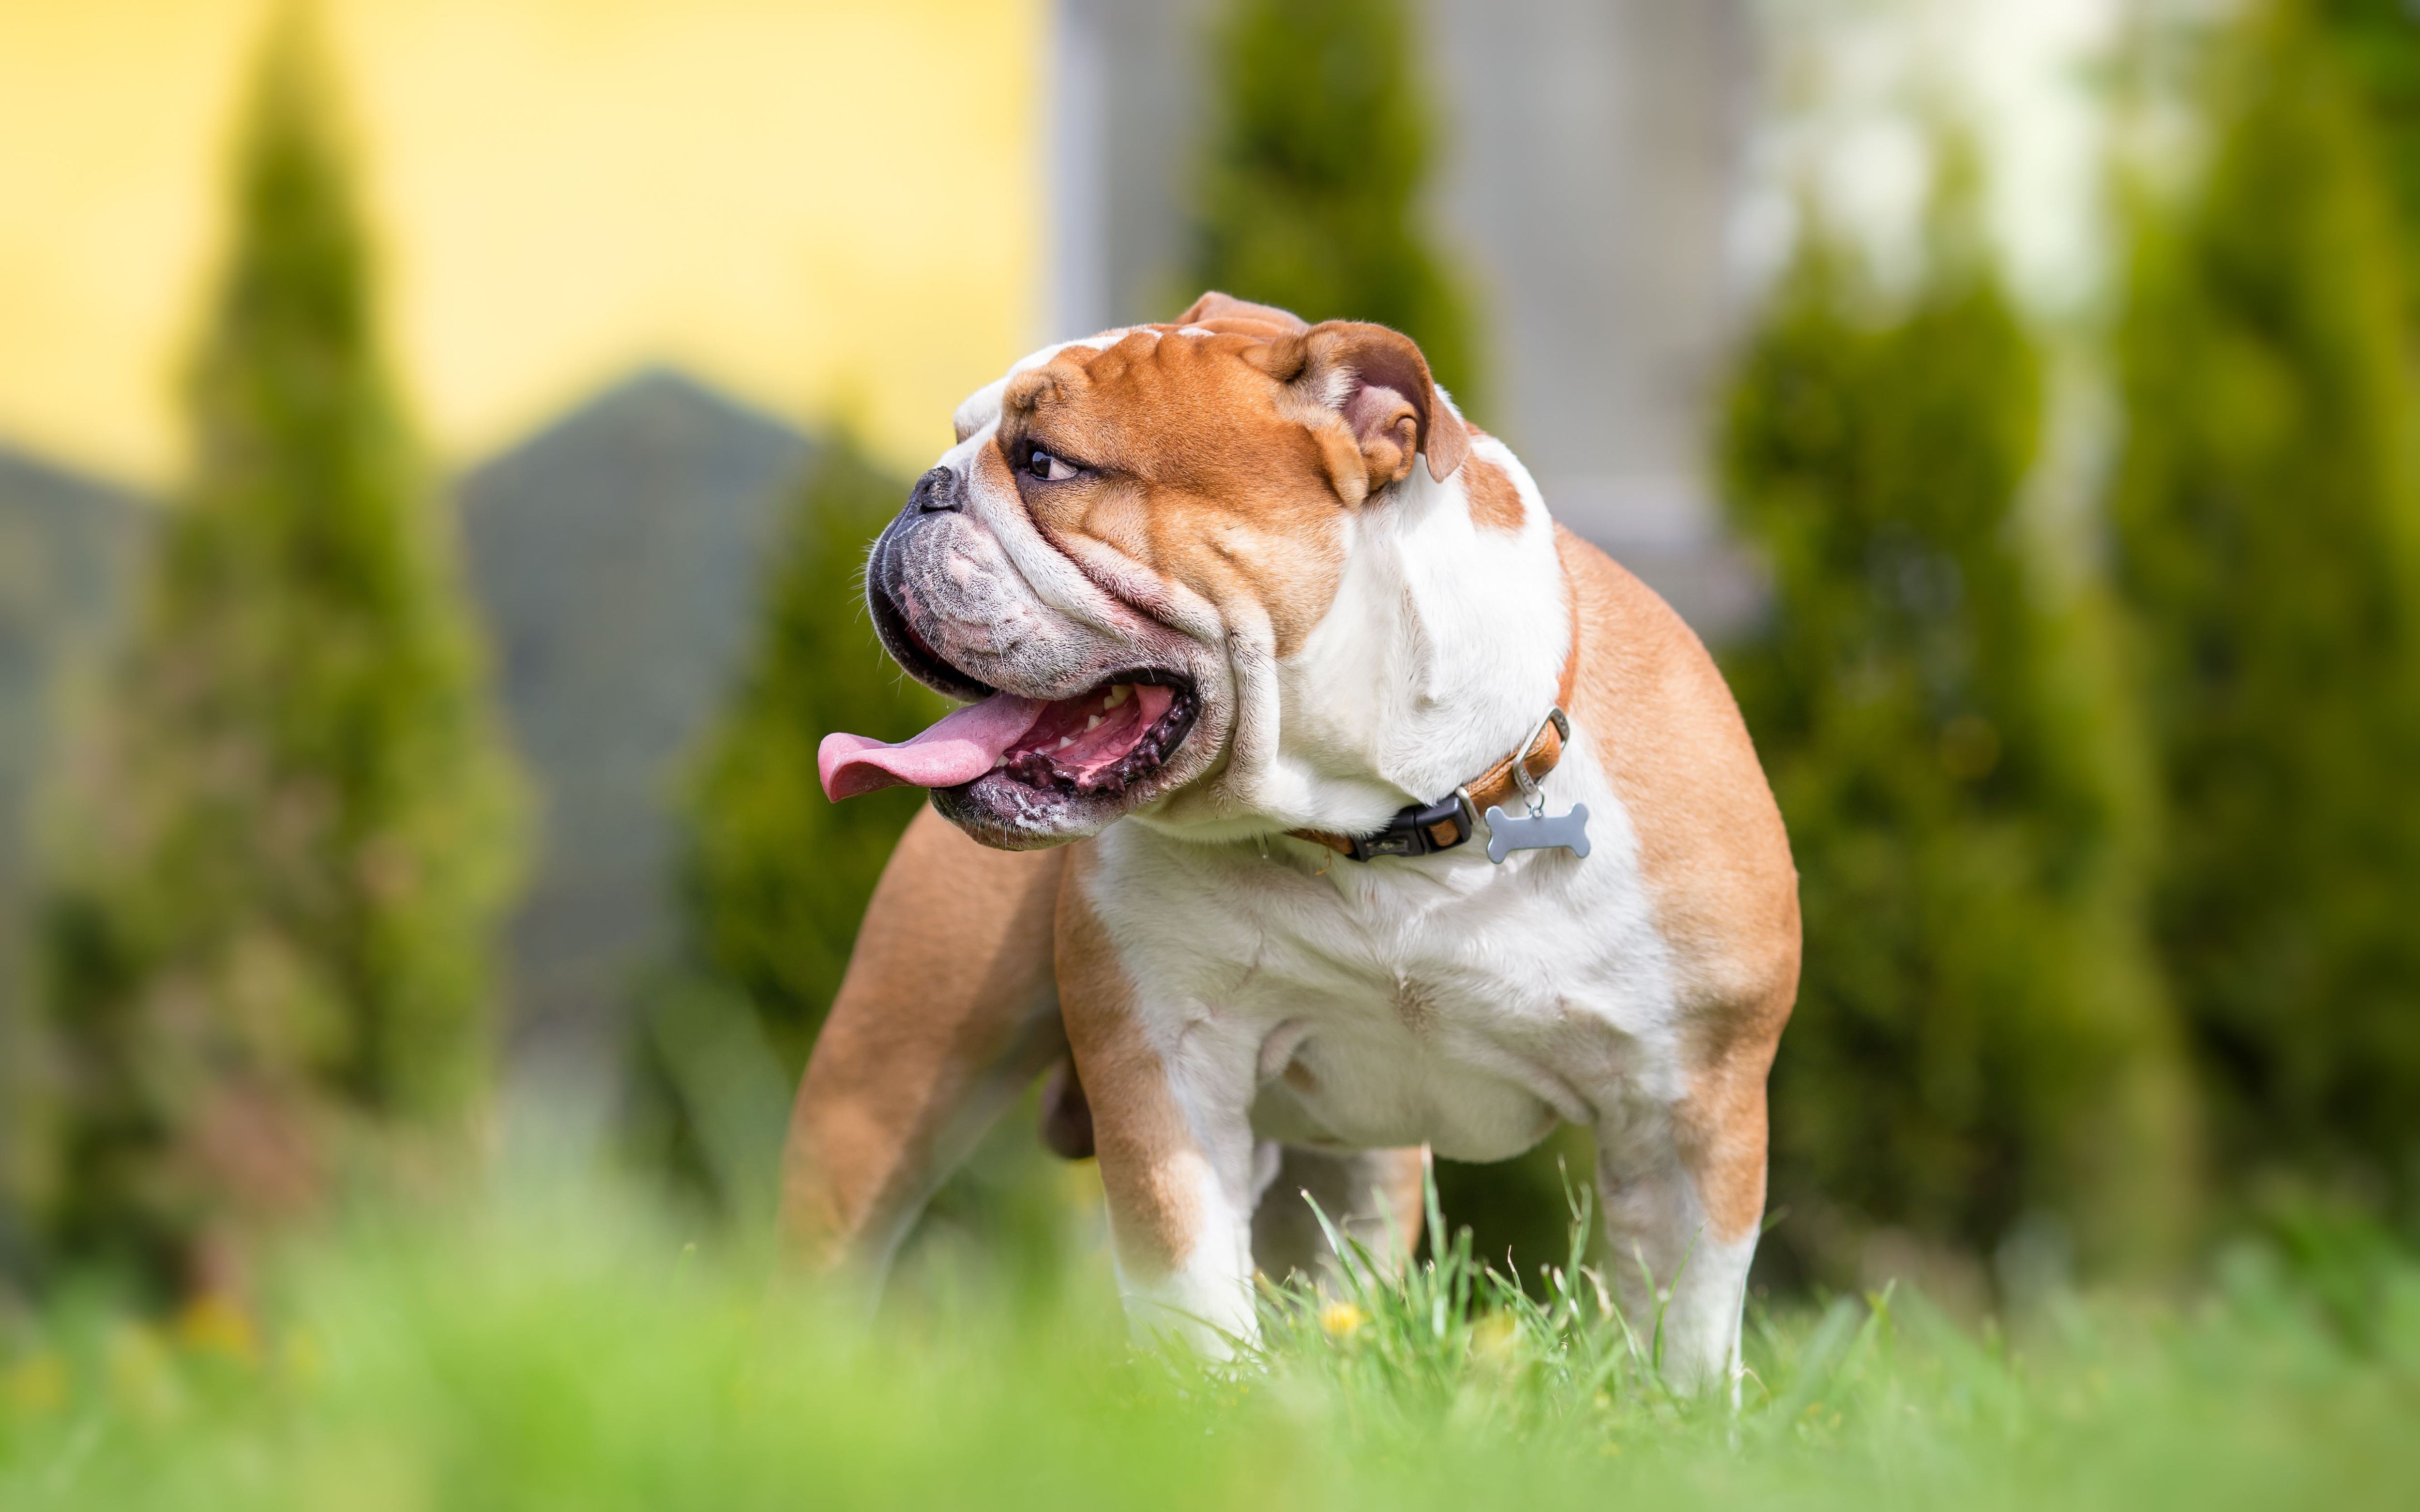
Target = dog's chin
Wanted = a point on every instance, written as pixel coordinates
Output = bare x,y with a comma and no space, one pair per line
1039,797
1007,815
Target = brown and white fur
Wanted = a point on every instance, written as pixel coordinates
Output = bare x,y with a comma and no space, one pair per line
1371,605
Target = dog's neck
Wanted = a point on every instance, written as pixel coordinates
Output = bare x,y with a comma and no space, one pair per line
1441,651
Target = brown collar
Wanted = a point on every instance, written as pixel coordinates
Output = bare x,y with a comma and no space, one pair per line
1420,829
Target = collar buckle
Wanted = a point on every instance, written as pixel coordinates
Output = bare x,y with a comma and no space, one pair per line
1414,830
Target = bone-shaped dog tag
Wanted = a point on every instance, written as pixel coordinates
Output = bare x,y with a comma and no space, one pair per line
1507,833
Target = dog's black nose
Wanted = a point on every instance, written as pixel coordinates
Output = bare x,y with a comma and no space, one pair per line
936,492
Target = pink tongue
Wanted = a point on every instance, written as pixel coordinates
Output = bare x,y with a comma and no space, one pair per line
959,748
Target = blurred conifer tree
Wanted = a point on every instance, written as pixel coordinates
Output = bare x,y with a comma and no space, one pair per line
283,852
1311,197
2266,524
2376,44
1980,1035
775,877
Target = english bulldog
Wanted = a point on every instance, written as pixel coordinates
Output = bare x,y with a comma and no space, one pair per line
1326,801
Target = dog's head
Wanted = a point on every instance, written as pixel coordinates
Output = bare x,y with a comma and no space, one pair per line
1129,532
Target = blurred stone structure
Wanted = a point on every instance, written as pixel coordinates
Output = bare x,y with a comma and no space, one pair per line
67,547
617,558
1593,154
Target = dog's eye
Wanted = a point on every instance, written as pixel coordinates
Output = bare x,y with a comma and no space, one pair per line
1047,467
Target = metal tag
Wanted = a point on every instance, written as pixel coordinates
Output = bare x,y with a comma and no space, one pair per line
1507,833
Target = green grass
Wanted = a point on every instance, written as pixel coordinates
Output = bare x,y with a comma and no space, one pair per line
532,1349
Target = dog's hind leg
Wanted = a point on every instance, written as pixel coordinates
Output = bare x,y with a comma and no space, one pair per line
946,1014
1684,1193
1372,1196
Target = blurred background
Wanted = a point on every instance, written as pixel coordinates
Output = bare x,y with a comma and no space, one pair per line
438,441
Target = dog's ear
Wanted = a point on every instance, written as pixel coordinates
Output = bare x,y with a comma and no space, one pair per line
1377,382
1214,306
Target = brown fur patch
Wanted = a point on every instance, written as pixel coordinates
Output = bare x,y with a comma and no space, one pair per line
1403,1192
948,984
1495,498
1147,1150
1715,854
1225,311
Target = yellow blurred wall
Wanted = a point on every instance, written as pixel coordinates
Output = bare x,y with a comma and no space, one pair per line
830,207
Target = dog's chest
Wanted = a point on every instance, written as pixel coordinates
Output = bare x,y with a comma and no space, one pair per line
1466,1006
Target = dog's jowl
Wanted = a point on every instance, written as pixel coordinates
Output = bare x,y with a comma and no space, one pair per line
1257,636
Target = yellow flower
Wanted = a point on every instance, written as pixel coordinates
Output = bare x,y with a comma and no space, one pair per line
214,1324
37,1384
1492,1337
1340,1318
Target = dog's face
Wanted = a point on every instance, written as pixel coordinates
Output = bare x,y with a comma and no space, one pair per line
1126,530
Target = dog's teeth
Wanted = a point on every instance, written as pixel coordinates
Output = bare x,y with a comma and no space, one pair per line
1091,724
1117,696
1065,741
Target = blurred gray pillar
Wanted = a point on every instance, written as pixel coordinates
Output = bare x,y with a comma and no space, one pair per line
1594,149
1075,221
1129,80
1592,159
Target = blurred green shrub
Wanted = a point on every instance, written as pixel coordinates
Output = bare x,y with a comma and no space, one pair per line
2266,528
281,852
1980,1034
1311,196
2376,48
774,877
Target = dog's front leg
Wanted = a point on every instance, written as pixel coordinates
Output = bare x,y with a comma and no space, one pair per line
945,1016
1172,1133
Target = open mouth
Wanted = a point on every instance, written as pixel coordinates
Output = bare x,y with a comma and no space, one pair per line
1103,741
1098,744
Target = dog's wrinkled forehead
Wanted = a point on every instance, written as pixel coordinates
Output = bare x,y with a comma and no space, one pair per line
1188,407
1135,350
1214,314
977,410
